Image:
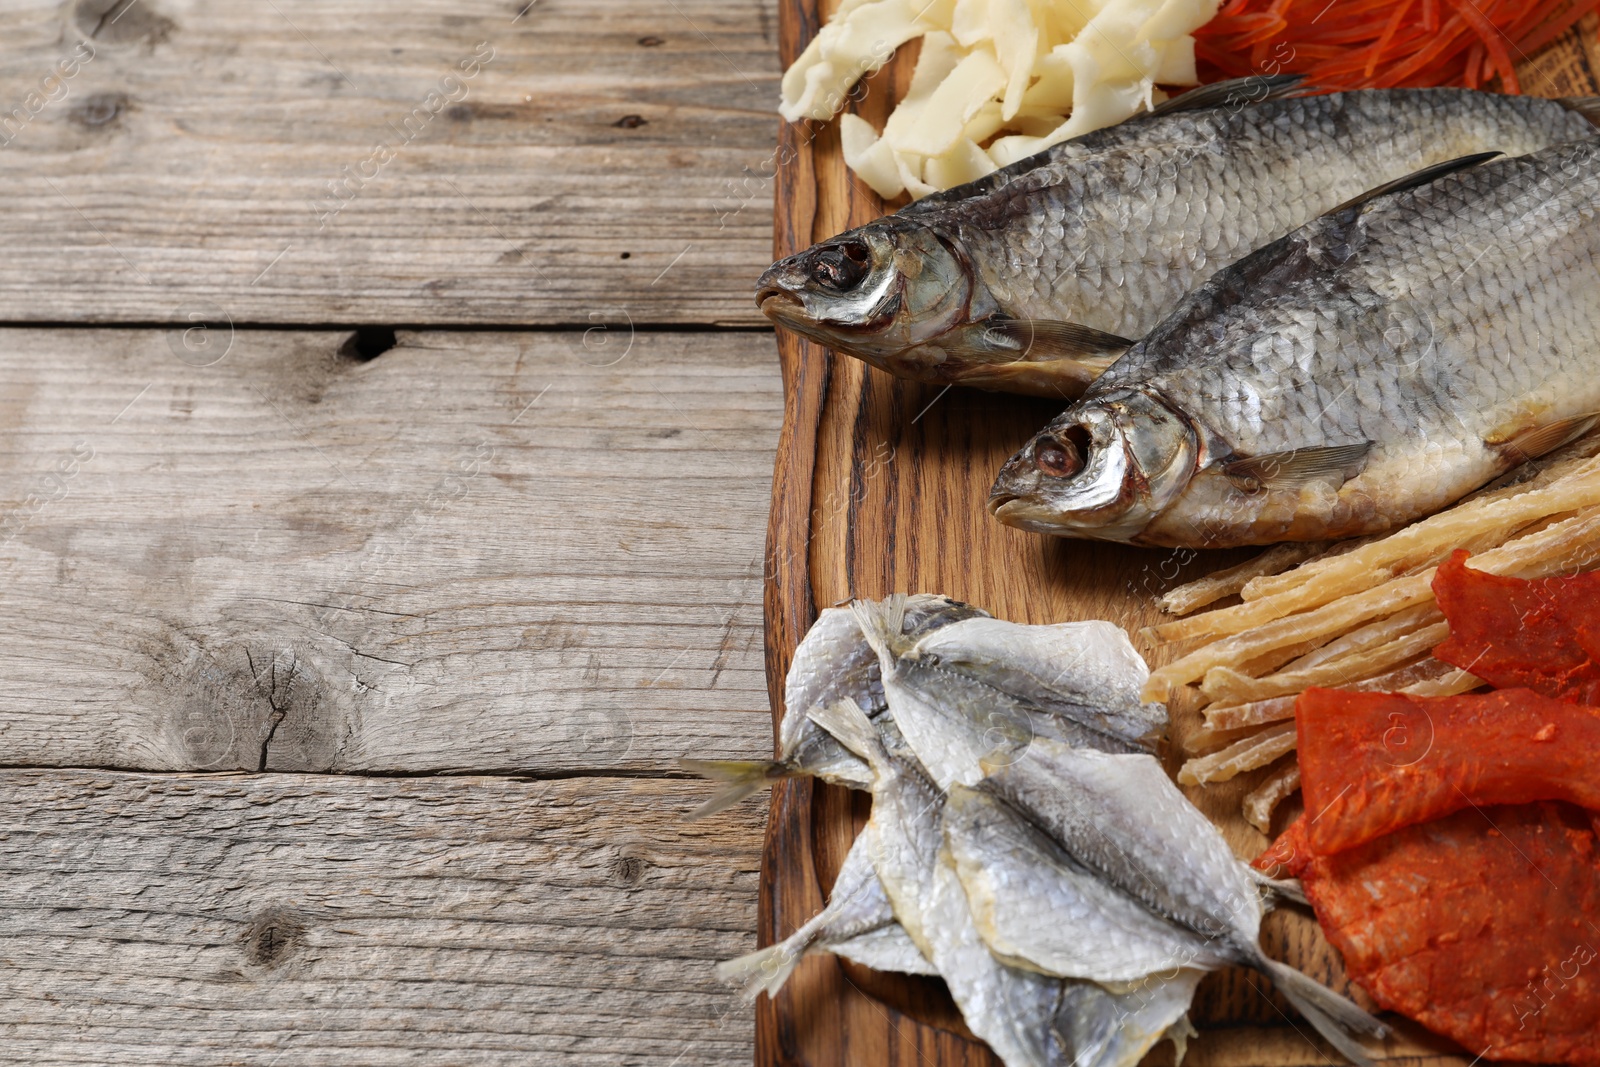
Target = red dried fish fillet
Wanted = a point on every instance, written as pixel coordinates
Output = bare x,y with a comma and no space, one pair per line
1482,926
1371,763
1543,634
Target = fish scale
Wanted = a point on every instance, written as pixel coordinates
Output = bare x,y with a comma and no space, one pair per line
1435,324
1107,233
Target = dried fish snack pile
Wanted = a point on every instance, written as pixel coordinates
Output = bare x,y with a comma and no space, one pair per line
1036,278
1023,845
1359,615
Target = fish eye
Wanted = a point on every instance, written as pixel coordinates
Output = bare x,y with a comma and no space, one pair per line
842,266
1063,456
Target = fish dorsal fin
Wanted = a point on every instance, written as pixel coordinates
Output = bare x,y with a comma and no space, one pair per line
1041,340
1587,106
1425,176
1297,467
1522,445
1251,89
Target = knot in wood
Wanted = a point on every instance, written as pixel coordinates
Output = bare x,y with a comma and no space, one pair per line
628,869
272,936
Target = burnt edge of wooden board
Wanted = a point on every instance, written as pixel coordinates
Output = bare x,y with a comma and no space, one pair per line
832,1013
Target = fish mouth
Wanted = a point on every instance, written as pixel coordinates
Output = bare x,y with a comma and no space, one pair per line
771,298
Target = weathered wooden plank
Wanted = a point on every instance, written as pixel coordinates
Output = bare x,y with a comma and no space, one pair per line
478,551
605,160
292,920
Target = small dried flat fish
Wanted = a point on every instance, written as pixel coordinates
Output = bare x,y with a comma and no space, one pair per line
1123,818
1028,1019
968,694
834,662
1039,908
858,923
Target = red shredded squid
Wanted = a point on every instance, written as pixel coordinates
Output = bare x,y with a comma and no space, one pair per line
1378,44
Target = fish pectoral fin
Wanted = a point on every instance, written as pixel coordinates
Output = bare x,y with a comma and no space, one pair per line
1519,446
1036,341
1416,178
1039,357
1297,467
1251,89
1587,106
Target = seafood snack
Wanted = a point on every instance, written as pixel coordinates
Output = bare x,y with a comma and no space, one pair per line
1037,277
1022,845
1370,368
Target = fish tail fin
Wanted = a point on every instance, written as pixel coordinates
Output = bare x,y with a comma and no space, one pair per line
850,725
738,777
764,970
1587,106
882,622
1334,1017
1180,1034
1273,888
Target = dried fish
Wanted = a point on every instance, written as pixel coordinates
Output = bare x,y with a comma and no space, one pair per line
858,923
1028,1019
1372,367
833,662
1121,817
985,689
1035,278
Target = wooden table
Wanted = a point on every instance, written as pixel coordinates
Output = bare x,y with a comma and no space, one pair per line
387,439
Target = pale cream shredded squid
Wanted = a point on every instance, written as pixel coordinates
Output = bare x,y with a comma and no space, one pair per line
996,81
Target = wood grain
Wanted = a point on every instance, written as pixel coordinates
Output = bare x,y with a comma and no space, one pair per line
529,553
611,162
286,920
880,487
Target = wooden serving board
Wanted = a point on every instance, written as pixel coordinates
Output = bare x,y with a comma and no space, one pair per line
879,487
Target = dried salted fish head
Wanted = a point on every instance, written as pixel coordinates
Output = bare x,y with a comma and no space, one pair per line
886,292
1102,469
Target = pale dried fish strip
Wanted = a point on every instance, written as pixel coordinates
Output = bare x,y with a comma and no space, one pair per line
1570,544
1207,740
1457,681
1278,659
1255,713
1367,566
1221,683
1258,612
1335,617
1426,669
1371,635
1264,799
1213,587
1268,583
1256,751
